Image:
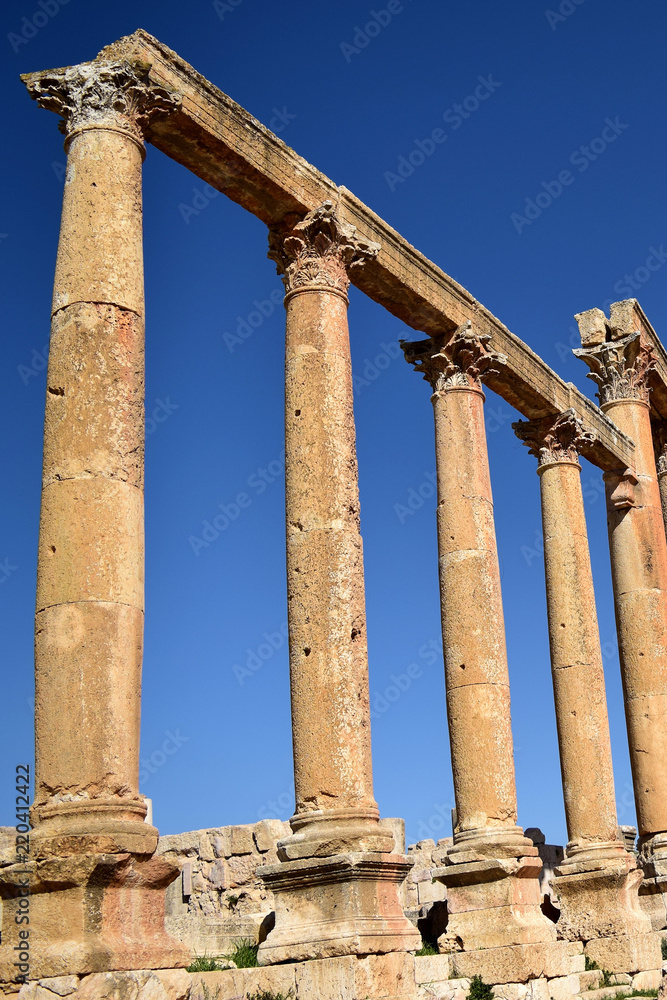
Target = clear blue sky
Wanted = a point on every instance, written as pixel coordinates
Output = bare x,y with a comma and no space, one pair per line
354,110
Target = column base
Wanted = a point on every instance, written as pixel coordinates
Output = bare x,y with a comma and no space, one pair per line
347,904
599,899
341,831
493,903
91,913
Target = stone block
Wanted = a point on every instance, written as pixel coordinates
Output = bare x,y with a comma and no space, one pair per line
205,848
218,875
538,989
626,952
620,978
564,987
431,892
391,975
62,986
455,989
420,875
221,841
396,826
510,991
268,832
578,962
432,968
514,964
648,980
241,869
241,839
233,984
602,902
591,979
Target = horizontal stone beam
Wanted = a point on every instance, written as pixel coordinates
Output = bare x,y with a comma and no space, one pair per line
225,146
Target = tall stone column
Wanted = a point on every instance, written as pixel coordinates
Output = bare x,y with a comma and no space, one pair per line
598,882
97,899
661,468
337,883
620,363
493,895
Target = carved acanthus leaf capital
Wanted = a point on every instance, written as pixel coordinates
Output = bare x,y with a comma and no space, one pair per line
620,368
115,94
554,439
463,359
319,251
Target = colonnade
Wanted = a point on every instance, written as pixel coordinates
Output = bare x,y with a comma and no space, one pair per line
336,883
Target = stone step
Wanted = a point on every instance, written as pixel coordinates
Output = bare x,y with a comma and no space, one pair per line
605,993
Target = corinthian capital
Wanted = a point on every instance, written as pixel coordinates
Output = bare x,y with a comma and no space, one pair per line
620,368
102,94
462,360
320,251
554,439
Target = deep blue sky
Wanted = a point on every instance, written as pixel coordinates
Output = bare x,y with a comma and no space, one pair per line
353,115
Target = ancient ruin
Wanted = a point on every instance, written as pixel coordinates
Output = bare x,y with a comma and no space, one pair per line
334,900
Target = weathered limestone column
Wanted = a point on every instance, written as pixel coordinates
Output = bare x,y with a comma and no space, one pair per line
97,900
598,882
337,883
661,468
493,894
620,363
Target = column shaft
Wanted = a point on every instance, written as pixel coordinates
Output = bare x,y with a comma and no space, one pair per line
476,675
90,575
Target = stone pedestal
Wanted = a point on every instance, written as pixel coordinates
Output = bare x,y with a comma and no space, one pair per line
355,901
493,903
346,904
96,896
492,870
91,913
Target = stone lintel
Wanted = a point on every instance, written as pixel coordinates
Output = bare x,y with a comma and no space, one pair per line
225,146
342,905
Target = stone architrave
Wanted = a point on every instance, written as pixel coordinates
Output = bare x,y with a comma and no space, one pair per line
336,886
598,881
493,894
620,362
97,893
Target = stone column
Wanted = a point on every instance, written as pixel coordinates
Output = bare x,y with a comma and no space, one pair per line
337,883
493,894
97,892
661,467
620,363
598,881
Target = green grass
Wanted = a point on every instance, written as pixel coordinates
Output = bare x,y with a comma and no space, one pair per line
203,963
244,954
479,990
427,948
268,995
